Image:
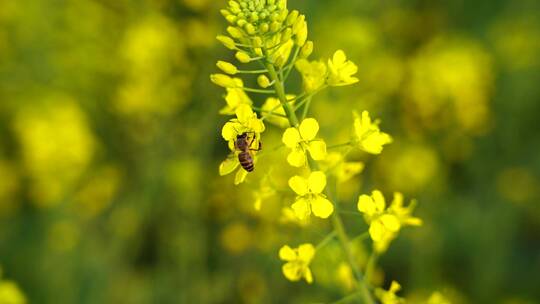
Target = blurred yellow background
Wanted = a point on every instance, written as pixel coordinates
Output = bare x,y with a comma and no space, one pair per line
110,143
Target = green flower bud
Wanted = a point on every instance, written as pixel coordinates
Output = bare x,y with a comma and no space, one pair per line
228,42
287,34
264,27
254,17
234,4
227,67
301,36
231,19
292,17
263,81
274,16
241,22
250,29
223,80
298,23
283,15
257,42
275,26
225,12
235,32
243,57
306,50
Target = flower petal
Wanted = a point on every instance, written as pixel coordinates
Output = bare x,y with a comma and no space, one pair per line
301,208
339,57
291,137
390,222
309,129
230,130
297,158
256,124
378,198
306,252
286,253
299,185
240,176
244,113
376,231
317,181
322,207
291,271
317,149
365,204
308,275
228,165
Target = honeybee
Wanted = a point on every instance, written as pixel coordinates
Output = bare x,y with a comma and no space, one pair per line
243,144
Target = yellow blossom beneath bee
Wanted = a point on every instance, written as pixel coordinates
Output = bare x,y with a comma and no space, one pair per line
310,198
385,223
368,136
301,140
298,260
341,70
246,121
389,296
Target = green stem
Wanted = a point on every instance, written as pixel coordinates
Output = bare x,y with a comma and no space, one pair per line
269,112
306,108
257,90
370,267
326,240
340,145
280,91
293,60
252,71
339,228
344,239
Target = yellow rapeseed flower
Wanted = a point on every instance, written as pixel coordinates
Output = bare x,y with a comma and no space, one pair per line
246,121
368,136
389,296
313,74
235,97
385,223
310,197
341,70
302,139
298,260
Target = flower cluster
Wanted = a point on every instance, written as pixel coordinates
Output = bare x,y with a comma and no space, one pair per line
266,32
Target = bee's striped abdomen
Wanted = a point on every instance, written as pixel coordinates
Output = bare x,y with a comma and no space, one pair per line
246,161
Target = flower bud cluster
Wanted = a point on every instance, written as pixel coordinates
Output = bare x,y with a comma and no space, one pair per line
264,24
